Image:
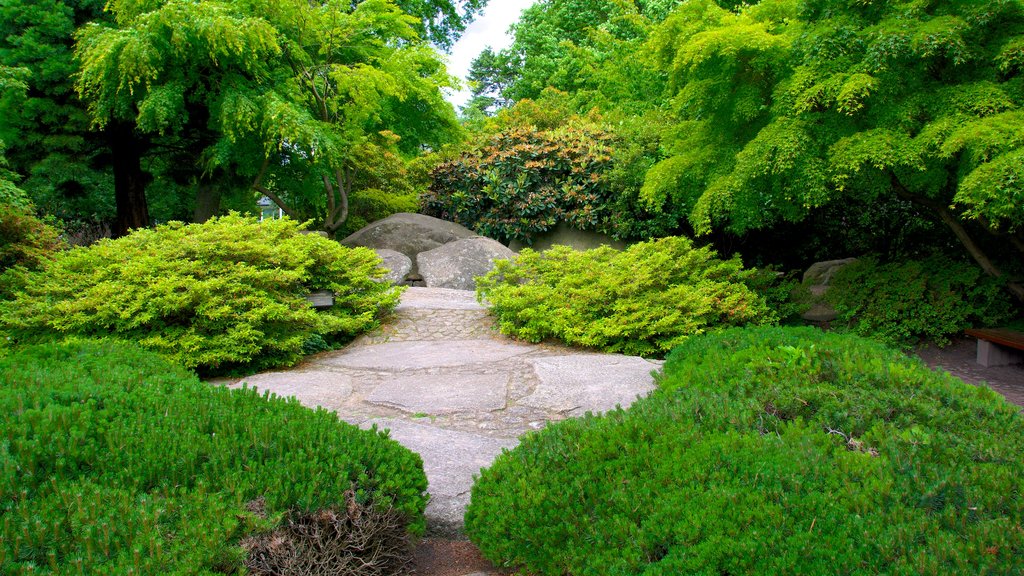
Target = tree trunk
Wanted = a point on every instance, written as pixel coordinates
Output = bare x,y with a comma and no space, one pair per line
207,201
129,179
953,223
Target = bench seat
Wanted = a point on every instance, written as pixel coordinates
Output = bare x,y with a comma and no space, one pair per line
996,346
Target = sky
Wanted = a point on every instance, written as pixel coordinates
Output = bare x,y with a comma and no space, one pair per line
489,29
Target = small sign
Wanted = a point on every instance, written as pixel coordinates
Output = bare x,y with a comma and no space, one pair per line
321,299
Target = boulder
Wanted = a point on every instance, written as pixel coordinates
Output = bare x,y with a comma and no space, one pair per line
819,276
820,273
457,264
397,264
407,233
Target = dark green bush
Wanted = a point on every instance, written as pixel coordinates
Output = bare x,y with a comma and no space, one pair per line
768,451
643,300
524,181
903,303
112,461
218,296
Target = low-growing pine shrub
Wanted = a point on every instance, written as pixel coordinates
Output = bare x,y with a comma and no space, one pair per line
644,300
113,461
903,303
768,451
218,296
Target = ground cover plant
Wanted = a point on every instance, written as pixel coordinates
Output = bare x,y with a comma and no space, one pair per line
227,294
643,300
768,451
113,461
903,303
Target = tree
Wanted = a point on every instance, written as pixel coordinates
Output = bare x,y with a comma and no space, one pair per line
64,165
788,106
280,92
442,21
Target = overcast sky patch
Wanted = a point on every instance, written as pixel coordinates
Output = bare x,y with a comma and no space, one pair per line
489,29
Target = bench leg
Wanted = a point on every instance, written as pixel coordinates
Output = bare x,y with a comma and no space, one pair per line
990,354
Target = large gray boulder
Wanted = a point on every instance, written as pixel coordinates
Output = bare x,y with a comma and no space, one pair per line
407,233
456,264
397,264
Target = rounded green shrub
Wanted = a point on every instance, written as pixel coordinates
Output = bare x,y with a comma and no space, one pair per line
903,303
768,451
113,461
224,295
643,300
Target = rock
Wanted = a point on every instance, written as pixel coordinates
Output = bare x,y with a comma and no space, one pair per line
398,265
819,276
457,264
437,394
564,235
820,273
578,383
323,389
417,355
408,233
450,459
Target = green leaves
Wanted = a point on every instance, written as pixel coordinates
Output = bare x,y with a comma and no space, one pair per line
217,296
114,461
767,451
644,300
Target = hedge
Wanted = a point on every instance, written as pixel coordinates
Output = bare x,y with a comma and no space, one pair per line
113,461
768,451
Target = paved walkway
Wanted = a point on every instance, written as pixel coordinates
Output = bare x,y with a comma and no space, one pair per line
450,387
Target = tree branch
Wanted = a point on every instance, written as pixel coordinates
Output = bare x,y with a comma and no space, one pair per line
257,185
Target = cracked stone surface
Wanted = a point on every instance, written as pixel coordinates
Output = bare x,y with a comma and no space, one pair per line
451,388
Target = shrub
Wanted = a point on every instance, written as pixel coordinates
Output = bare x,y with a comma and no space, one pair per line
218,296
643,300
25,240
902,303
113,461
768,451
523,181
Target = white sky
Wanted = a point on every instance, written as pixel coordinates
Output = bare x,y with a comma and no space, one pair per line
489,29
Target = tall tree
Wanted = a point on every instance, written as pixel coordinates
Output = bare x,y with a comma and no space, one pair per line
790,105
283,91
64,165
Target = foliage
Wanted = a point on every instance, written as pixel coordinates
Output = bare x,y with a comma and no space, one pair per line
644,300
25,240
768,451
784,106
116,462
218,296
902,303
371,204
521,182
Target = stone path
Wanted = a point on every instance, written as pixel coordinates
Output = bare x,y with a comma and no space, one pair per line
454,390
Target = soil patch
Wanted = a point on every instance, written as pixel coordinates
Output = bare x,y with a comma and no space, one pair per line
445,557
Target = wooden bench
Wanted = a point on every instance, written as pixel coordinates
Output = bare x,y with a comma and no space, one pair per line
996,346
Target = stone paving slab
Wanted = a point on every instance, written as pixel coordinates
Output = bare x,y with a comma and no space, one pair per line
417,355
435,394
454,390
314,389
578,383
450,459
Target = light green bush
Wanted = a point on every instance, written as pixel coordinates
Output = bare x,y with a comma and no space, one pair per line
644,300
223,295
903,303
113,461
768,451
